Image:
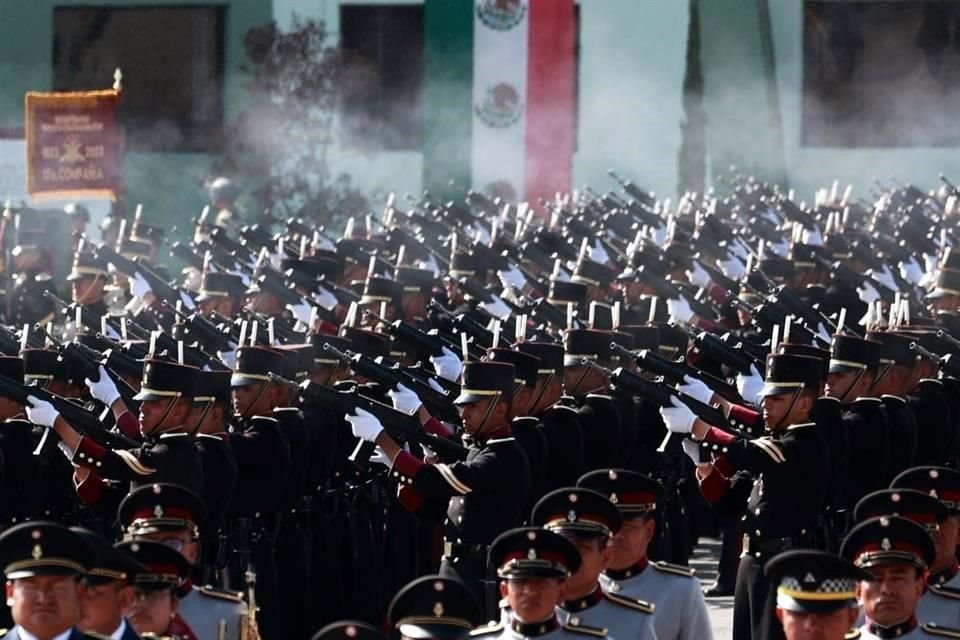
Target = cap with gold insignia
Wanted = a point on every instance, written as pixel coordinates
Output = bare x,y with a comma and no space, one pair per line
942,483
577,511
166,380
918,507
87,265
109,563
586,343
40,547
212,386
166,568
887,540
814,581
434,607
633,493
348,630
485,381
529,552
160,507
550,354
216,284
850,353
527,366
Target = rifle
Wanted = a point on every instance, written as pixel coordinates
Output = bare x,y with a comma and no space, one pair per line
715,348
854,280
645,198
948,364
161,288
205,331
420,342
400,426
86,362
674,372
187,255
465,324
87,317
78,417
436,402
669,291
659,394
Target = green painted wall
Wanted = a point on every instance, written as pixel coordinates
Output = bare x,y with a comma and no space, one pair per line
167,184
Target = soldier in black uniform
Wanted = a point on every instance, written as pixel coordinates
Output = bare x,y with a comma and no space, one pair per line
785,481
21,485
590,391
853,366
263,460
207,421
559,423
168,453
483,495
87,278
894,380
220,292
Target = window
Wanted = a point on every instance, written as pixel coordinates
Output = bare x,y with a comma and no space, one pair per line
172,59
383,71
881,74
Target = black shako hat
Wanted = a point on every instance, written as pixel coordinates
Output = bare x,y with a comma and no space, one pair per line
788,374
165,380
486,380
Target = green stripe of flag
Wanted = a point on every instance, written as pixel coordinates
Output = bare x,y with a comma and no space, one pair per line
447,95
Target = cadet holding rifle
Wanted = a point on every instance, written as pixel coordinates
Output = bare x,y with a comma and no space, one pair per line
485,494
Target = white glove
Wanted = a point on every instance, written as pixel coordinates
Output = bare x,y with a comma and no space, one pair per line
911,271
103,389
301,312
868,293
41,412
696,389
448,366
779,248
885,277
749,386
680,310
698,275
139,287
497,308
381,458
599,253
229,358
770,216
325,299
678,418
364,425
869,318
823,333
436,386
733,268
187,300
404,399
512,277
738,249
692,449
813,237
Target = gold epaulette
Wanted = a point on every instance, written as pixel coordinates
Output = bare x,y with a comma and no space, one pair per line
637,605
573,626
490,628
675,569
232,596
946,592
852,635
939,630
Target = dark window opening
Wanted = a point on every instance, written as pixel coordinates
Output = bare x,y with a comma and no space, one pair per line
172,59
881,74
382,90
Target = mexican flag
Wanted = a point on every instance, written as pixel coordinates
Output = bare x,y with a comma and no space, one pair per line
499,97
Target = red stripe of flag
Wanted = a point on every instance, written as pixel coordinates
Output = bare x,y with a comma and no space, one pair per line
550,99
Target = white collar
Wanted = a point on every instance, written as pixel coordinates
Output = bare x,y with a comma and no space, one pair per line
26,635
116,635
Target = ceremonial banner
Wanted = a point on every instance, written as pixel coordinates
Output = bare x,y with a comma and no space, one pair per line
499,97
72,144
